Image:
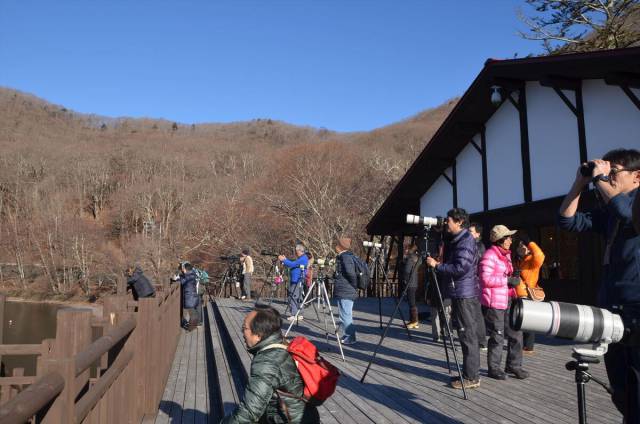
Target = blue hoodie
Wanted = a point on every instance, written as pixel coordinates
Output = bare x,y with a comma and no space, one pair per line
295,267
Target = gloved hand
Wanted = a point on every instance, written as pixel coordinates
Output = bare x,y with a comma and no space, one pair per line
513,281
516,273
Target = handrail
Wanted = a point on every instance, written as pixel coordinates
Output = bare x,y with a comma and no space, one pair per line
91,398
32,399
20,349
95,350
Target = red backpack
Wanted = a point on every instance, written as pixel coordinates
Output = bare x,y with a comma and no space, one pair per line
320,377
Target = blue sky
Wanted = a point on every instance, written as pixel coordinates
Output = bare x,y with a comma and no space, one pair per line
345,65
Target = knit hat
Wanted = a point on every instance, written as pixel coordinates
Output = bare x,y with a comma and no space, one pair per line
500,231
344,243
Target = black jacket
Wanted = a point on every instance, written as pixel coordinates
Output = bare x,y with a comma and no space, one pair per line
140,285
410,270
190,298
345,279
272,369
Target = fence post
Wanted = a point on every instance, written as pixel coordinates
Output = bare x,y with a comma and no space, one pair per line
146,370
73,333
3,298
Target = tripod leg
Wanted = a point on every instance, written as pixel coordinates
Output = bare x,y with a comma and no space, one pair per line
300,309
384,333
335,327
399,300
582,400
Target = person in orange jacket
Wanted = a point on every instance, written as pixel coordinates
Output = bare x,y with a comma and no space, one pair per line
529,260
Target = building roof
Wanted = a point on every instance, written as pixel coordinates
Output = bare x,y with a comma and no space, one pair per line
475,108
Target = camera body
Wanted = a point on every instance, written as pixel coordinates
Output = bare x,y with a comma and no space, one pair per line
230,258
366,243
586,170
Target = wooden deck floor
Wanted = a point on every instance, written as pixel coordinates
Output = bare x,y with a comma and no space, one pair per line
408,382
186,395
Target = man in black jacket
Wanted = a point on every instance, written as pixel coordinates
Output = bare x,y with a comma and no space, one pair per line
344,290
138,283
274,390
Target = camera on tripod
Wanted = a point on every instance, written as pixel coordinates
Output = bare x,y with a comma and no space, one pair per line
230,258
426,221
366,243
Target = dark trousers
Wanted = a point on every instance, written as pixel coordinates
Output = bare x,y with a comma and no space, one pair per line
528,339
467,313
411,296
482,330
623,370
497,321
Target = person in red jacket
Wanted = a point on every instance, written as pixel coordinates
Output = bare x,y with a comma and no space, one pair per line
497,280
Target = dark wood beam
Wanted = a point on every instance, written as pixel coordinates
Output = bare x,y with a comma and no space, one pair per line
566,100
485,176
561,83
524,146
625,79
634,99
508,84
455,185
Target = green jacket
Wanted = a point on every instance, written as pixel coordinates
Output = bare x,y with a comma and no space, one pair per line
272,369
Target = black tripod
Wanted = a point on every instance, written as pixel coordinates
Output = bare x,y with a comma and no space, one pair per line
273,280
424,256
378,270
581,367
231,277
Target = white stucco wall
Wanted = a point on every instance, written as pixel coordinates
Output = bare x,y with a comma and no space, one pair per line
504,162
469,177
553,141
611,119
438,199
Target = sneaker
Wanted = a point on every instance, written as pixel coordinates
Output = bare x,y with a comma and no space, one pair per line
519,373
468,384
243,297
413,325
483,348
497,374
347,341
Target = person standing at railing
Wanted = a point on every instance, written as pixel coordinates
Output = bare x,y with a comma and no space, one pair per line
138,283
190,298
297,269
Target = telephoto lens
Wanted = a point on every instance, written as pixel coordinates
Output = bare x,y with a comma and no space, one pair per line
366,243
586,324
438,221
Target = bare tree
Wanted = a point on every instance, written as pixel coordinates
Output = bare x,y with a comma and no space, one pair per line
569,25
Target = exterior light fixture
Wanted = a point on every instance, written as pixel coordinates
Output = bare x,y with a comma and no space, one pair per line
496,97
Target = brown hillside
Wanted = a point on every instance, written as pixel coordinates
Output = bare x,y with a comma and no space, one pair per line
81,195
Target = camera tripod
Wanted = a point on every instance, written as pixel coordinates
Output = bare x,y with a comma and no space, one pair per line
378,269
584,357
231,278
320,299
441,312
274,279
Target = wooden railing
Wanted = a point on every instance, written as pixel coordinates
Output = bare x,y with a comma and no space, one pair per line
117,378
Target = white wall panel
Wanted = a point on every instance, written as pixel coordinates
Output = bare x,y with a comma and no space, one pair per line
469,176
553,141
504,163
611,120
438,199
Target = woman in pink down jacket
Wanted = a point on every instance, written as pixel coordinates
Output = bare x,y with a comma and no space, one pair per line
497,281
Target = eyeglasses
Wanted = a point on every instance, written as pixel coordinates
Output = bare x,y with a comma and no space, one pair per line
244,328
615,171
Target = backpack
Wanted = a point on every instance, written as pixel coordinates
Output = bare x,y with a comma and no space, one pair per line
319,376
362,272
202,279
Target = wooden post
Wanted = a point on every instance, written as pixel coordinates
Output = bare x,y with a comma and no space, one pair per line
3,299
146,371
73,333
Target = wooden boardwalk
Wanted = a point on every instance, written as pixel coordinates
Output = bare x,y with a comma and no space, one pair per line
186,395
408,382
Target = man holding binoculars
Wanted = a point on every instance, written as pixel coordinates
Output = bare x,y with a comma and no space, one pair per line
616,178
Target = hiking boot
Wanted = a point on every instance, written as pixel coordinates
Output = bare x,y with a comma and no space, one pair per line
519,373
348,341
497,374
468,384
413,325
483,348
